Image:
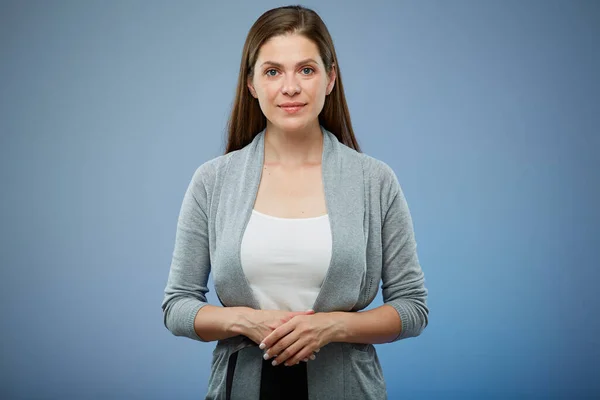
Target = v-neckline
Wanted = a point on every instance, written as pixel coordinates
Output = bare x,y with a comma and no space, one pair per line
328,157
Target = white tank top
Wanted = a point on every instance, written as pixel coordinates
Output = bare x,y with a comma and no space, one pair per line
286,259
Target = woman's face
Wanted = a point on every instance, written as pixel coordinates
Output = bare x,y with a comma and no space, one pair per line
290,82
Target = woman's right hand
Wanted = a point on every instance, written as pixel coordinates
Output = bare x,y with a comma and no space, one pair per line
258,324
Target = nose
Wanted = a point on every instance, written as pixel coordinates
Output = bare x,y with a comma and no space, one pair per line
290,85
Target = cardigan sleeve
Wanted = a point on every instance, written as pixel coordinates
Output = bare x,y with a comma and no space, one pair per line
185,292
403,282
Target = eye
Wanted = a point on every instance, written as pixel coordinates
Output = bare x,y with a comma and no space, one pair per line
305,69
269,72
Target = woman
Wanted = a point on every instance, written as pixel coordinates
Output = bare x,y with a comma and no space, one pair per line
298,227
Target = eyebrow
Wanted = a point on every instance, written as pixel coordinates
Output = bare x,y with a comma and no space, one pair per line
278,65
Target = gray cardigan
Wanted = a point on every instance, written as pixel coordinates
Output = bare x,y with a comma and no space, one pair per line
373,241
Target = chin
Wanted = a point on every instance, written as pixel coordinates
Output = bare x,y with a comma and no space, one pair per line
292,124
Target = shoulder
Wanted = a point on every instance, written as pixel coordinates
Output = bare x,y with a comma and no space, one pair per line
378,175
215,168
379,171
207,175
209,169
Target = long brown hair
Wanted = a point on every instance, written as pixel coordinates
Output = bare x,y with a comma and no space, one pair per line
246,119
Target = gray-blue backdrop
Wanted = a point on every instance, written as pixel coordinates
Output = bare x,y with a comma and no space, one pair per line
488,111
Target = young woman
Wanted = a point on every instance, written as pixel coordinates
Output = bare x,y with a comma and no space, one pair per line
298,228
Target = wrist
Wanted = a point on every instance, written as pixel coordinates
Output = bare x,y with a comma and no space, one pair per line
339,328
238,323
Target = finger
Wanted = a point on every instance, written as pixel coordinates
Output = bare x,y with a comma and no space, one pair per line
296,313
280,346
276,335
304,354
288,356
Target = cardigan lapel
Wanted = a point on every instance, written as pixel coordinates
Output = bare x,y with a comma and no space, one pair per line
237,199
341,287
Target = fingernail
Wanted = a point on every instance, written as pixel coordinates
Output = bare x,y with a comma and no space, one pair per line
312,357
305,360
274,363
262,346
266,356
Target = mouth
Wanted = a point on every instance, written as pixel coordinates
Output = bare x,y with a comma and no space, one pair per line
292,108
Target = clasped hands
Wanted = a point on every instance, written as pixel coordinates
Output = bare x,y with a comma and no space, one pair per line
289,337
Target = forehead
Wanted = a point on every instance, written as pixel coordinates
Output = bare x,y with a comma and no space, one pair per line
288,49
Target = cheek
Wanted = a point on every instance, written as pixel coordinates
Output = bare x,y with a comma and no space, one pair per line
318,90
267,94
267,98
317,93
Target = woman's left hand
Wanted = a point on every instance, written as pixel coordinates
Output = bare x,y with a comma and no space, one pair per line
299,338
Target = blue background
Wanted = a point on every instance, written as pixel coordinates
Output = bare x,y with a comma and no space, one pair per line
488,111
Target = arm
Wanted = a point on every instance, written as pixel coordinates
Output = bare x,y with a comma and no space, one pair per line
219,323
185,292
403,282
379,325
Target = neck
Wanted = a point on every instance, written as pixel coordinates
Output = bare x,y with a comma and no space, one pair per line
293,148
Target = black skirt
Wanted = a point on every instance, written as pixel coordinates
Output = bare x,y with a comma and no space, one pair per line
281,382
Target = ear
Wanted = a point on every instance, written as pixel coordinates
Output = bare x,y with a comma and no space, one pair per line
332,77
251,88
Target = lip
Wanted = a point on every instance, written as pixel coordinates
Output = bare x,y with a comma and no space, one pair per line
292,107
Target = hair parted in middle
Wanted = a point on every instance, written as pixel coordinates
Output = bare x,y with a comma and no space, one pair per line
247,119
